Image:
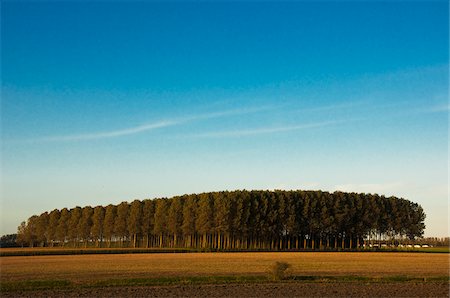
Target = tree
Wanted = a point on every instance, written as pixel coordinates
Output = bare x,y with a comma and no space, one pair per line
416,224
97,225
108,223
120,223
41,229
235,220
134,220
160,227
53,222
62,228
148,220
175,218
189,215
85,224
223,218
72,231
31,235
21,234
204,220
9,240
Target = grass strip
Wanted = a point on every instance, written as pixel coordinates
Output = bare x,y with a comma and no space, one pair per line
88,251
384,279
36,285
194,280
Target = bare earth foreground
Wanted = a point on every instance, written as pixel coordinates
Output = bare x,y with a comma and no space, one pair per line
257,290
85,270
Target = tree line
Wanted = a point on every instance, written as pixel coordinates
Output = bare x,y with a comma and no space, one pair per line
256,220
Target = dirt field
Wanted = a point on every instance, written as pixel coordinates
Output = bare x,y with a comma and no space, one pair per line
257,290
85,268
85,273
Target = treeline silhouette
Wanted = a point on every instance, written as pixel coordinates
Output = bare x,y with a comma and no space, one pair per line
236,220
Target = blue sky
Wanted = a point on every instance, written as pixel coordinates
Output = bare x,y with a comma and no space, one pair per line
105,102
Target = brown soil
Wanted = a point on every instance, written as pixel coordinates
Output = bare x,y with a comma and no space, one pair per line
257,290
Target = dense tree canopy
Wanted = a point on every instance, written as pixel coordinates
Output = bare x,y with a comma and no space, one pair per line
271,220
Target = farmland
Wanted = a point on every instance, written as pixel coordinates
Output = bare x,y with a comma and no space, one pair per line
172,270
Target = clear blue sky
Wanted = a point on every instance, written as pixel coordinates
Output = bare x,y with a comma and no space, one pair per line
108,102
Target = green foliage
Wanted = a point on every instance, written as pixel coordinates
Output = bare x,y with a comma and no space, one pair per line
9,240
108,222
161,208
120,223
62,228
85,224
135,220
97,224
249,220
72,228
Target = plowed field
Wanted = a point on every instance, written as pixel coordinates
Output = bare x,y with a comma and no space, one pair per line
399,274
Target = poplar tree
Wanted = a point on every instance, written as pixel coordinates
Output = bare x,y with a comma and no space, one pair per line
85,225
42,228
148,220
53,221
108,223
72,228
160,227
97,224
204,220
31,231
120,223
175,219
189,215
135,220
62,228
269,220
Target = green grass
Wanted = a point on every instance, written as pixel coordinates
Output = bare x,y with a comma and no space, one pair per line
36,285
178,280
440,249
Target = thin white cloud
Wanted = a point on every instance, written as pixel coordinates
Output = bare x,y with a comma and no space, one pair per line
144,127
338,106
233,112
439,108
264,130
109,134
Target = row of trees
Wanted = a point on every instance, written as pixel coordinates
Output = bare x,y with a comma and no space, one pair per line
273,220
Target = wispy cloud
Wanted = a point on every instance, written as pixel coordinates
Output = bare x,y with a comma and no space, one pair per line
338,106
439,108
143,127
263,130
109,134
233,112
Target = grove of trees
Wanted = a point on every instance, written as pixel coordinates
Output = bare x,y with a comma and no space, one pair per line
247,220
